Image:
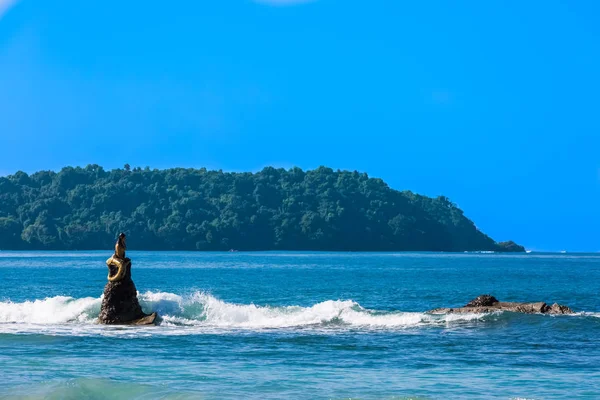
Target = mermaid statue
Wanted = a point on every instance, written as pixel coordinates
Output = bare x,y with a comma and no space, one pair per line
120,304
118,260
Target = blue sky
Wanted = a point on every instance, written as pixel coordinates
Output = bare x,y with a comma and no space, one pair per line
493,104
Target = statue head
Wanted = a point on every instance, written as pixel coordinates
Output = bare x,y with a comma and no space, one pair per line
121,238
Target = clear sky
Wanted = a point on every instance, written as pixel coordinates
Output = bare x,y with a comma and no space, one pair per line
494,104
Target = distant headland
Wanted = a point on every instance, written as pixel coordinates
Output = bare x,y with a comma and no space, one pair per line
197,209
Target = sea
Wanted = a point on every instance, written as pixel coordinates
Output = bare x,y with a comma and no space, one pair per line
300,325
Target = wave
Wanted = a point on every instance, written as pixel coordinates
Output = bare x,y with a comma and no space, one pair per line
202,310
52,310
589,314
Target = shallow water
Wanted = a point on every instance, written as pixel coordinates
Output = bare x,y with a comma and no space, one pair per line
300,325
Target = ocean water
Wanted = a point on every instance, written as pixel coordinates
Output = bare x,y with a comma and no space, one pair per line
300,326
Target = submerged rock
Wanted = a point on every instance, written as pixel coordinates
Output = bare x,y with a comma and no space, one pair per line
487,303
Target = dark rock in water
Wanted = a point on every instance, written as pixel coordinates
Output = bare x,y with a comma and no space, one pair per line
558,309
487,303
482,301
120,304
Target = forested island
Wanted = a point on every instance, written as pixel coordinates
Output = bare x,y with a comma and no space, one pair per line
197,209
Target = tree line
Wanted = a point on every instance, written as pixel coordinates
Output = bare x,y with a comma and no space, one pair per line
197,209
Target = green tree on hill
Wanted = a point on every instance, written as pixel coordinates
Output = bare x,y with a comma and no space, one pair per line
197,209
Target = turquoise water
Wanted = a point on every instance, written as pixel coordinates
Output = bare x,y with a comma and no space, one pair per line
300,326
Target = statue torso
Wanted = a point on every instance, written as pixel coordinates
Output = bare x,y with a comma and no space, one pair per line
120,249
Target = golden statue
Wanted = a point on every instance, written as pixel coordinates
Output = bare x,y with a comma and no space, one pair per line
118,260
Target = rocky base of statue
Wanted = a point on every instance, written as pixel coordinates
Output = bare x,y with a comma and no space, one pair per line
486,304
120,305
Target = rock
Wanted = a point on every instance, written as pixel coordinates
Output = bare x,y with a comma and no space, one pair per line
487,303
482,301
147,320
558,309
526,308
120,304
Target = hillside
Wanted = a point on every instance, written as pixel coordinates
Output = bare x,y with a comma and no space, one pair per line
196,209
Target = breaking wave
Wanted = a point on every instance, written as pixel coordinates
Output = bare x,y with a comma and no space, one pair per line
204,310
52,310
201,312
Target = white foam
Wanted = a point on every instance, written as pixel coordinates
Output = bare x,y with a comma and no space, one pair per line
589,314
206,310
203,313
53,310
